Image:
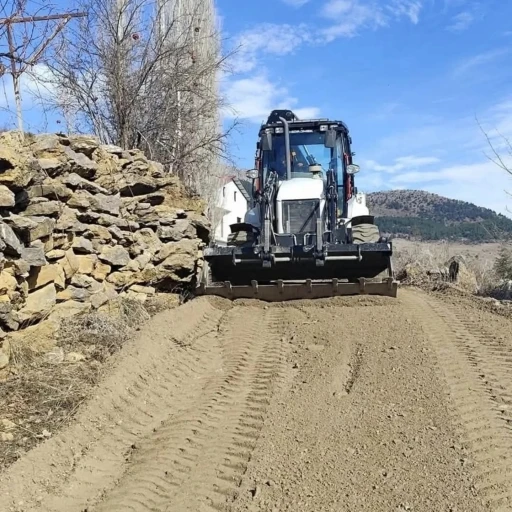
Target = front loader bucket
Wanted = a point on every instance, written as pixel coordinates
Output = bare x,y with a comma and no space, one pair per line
348,269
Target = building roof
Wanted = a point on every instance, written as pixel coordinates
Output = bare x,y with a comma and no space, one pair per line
243,184
245,188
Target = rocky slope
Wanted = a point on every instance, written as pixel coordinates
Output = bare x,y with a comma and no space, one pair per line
81,224
425,216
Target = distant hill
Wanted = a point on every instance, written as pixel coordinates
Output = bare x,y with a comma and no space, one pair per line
421,215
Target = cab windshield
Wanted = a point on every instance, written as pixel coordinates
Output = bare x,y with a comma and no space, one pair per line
305,148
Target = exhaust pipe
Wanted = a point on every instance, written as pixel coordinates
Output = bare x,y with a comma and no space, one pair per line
287,148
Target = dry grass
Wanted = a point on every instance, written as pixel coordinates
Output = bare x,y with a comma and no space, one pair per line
102,333
433,257
43,392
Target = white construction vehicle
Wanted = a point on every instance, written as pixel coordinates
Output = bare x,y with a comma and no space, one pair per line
309,233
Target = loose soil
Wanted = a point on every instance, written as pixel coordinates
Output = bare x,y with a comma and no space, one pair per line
346,404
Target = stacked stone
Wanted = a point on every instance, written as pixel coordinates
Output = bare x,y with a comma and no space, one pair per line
83,223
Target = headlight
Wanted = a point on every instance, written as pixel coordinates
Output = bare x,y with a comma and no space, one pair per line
279,130
352,169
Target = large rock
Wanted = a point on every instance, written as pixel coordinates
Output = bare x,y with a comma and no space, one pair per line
39,303
47,145
147,240
101,271
82,245
80,199
34,256
69,263
68,309
182,228
87,282
30,229
68,221
99,233
46,208
41,276
8,283
180,262
87,263
7,198
117,256
17,170
84,144
53,166
9,243
104,219
51,189
8,317
103,203
81,164
76,182
73,293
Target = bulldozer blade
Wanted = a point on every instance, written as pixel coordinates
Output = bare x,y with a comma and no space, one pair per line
308,289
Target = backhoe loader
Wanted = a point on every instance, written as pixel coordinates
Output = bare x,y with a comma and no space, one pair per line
308,232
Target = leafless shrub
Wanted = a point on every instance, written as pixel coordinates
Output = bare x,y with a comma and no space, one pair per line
501,152
25,36
105,332
144,73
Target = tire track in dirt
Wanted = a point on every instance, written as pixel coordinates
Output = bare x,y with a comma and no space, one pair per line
477,368
73,471
196,459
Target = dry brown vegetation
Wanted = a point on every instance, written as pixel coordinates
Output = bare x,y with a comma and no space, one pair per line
430,259
44,391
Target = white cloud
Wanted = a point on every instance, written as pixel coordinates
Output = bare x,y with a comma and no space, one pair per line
255,97
458,164
476,61
401,163
268,39
462,21
349,16
406,8
30,86
295,3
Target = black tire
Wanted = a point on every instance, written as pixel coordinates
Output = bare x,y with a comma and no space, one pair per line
365,234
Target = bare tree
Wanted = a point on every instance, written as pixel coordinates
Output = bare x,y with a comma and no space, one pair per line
144,73
25,37
502,156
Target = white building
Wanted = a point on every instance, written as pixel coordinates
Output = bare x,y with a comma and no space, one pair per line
233,202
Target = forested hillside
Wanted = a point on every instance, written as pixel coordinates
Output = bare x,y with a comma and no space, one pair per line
425,216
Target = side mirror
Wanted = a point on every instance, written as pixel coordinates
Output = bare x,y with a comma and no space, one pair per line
352,169
266,142
330,139
252,174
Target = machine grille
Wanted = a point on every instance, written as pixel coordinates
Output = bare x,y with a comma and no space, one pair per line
300,216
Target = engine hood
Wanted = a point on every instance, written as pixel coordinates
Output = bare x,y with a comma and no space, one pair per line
301,188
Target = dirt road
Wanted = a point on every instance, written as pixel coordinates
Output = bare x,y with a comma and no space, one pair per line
356,404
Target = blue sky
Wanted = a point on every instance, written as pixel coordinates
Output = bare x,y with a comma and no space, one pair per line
409,77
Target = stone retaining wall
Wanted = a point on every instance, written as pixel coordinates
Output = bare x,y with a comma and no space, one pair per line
83,223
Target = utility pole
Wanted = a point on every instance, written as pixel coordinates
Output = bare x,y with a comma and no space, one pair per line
20,62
